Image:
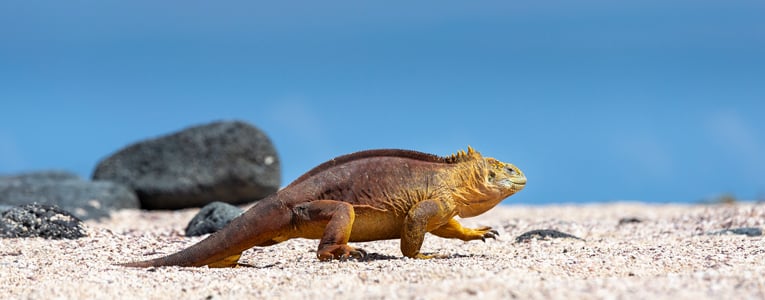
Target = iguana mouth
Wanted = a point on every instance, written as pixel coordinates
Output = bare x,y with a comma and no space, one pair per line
521,182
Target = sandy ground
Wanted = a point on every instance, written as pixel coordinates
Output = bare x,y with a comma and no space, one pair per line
667,256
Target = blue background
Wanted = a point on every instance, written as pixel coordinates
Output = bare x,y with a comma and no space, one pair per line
595,100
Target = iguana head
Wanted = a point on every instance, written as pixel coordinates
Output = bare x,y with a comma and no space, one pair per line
495,181
505,178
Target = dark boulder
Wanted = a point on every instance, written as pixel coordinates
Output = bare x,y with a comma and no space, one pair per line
211,218
39,220
85,199
232,162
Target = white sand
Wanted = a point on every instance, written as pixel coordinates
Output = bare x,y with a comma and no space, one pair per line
665,257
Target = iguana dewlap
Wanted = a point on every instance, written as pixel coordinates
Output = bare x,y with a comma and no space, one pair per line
365,196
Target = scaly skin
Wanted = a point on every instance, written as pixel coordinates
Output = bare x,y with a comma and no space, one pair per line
365,196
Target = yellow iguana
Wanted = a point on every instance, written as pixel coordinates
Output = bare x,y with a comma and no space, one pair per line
365,196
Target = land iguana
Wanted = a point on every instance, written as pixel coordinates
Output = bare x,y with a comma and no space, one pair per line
365,196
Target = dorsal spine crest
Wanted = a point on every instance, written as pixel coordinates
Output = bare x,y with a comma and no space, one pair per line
462,156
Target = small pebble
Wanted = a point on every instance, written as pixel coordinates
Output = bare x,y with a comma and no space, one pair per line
747,231
544,234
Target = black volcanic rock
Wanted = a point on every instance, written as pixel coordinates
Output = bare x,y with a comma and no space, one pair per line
211,218
232,162
747,231
629,220
39,220
544,234
84,199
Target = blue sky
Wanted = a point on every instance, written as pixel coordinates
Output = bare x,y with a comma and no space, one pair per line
595,100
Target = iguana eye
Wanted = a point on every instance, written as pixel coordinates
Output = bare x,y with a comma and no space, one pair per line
492,175
510,170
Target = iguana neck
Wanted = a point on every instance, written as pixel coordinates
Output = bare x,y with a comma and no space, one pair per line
471,195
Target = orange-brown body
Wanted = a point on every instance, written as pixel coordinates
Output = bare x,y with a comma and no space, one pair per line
365,196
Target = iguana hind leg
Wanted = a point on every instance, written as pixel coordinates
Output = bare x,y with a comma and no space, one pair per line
336,220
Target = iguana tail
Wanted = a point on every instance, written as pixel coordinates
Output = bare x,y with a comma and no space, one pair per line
259,226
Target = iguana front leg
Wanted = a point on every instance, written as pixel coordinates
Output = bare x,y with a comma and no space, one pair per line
338,217
420,218
454,230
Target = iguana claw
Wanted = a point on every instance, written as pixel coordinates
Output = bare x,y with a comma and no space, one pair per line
340,252
490,234
357,254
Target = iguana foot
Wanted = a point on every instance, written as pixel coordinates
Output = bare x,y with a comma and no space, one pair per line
453,230
482,233
228,262
341,252
488,233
